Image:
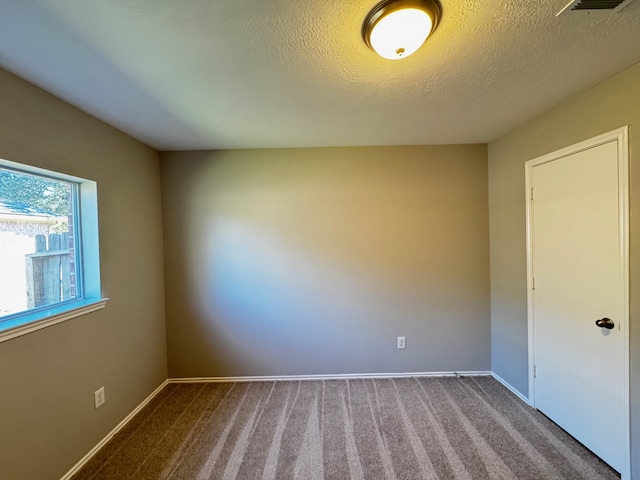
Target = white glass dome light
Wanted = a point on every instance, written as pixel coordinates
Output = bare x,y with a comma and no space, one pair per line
400,33
397,28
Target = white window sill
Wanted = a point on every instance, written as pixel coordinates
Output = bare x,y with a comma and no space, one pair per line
33,321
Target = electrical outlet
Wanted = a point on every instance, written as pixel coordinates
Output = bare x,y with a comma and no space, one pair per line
99,397
402,343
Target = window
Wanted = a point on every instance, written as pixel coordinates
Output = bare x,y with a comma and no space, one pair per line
49,261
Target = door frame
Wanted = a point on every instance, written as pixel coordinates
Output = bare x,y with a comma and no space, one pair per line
621,136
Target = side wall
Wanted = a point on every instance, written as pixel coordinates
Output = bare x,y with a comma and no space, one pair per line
313,261
612,104
47,378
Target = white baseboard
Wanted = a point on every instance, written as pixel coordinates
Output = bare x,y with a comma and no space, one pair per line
350,376
511,389
110,435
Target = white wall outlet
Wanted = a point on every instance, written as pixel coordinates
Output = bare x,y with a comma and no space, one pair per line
402,343
99,397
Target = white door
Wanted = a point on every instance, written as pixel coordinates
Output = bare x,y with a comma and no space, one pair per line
578,276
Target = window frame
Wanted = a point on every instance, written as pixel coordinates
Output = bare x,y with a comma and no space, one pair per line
88,258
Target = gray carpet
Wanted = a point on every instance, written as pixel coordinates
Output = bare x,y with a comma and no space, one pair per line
396,429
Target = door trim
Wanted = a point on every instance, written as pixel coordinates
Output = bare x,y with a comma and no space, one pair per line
621,136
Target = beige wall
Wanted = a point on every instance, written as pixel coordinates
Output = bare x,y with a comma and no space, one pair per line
612,104
47,378
313,261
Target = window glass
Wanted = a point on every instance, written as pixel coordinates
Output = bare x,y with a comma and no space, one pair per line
39,245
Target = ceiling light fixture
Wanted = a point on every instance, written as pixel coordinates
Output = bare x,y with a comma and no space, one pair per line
397,28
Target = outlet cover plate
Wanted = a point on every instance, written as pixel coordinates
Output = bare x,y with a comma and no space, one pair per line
99,397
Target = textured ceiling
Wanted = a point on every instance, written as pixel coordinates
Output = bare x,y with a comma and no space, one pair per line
202,74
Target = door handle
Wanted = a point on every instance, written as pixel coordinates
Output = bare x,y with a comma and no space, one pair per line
605,323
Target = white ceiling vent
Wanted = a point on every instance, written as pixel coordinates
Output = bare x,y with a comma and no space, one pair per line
594,6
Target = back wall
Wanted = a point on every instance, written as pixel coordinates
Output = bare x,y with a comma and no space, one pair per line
313,261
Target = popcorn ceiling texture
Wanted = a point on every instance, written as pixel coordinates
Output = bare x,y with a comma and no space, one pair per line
203,74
